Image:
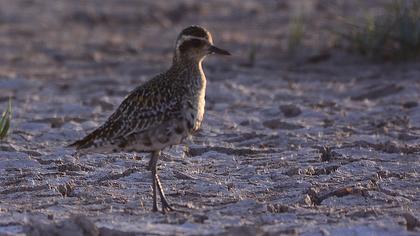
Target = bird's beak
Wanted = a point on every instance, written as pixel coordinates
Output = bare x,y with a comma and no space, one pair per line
216,50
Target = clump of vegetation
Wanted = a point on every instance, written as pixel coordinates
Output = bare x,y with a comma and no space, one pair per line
252,56
296,33
393,35
5,120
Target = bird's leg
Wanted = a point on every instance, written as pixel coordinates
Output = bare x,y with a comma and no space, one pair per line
152,167
155,208
165,205
157,184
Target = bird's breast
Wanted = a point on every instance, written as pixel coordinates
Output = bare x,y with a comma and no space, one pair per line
196,104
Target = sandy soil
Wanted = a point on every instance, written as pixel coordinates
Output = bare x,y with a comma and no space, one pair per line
321,142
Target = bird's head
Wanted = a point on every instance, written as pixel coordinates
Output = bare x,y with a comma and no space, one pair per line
195,43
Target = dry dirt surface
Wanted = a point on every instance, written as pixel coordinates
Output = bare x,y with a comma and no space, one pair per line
321,142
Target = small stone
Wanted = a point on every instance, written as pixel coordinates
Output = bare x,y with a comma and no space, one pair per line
245,230
279,124
378,92
412,221
7,148
277,208
66,190
410,104
290,110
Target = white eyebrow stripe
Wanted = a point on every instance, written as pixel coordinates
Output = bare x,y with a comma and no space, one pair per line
186,37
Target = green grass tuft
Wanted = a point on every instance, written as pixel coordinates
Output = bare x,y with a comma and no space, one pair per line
5,121
296,33
394,35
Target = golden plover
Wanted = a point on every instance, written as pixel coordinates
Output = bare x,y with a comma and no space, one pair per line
163,111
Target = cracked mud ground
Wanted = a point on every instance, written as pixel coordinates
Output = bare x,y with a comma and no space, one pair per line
321,143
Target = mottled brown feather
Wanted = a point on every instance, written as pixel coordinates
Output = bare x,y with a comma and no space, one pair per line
145,107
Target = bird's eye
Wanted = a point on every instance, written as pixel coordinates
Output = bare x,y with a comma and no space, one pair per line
196,43
191,43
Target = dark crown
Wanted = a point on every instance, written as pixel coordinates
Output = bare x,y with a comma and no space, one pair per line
195,31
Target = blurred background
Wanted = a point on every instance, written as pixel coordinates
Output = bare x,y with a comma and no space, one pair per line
50,39
107,45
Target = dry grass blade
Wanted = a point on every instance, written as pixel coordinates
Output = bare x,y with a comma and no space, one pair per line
5,121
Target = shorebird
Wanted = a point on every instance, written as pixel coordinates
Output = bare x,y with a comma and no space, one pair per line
163,111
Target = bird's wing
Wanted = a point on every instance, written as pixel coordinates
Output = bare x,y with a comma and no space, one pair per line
146,107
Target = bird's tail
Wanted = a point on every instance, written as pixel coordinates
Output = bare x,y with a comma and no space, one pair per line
76,144
86,142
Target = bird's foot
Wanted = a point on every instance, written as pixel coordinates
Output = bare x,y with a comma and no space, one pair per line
166,207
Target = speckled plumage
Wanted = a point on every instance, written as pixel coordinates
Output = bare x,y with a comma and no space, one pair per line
160,113
163,111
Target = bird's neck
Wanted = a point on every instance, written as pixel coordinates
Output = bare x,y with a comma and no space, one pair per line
190,65
183,60
191,73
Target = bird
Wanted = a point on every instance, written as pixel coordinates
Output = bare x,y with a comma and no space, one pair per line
162,112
